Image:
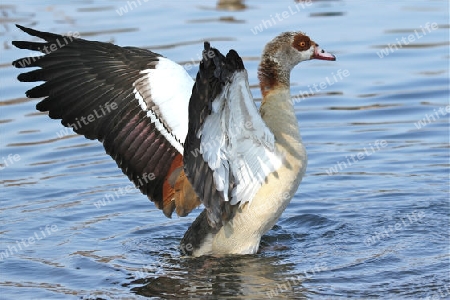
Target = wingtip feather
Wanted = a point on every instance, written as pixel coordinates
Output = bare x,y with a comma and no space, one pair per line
206,46
41,34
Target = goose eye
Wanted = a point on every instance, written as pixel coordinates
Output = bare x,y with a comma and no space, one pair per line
301,42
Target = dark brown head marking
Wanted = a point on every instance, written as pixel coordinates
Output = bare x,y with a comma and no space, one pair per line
301,42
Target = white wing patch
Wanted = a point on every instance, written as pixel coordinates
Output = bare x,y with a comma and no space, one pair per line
164,93
235,139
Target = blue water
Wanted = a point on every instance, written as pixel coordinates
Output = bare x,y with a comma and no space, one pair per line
369,221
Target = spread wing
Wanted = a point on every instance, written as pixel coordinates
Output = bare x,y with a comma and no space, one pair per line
229,150
132,100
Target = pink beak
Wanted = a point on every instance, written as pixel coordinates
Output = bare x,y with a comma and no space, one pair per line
319,53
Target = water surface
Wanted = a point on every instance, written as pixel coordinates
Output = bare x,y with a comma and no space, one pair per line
369,221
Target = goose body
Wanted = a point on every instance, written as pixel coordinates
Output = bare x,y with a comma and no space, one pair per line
186,142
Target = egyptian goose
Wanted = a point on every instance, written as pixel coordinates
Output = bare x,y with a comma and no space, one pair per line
185,142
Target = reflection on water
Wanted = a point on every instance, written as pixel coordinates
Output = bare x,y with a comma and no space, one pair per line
231,5
126,249
251,277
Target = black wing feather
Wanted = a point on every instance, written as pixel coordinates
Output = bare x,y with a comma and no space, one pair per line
214,73
83,76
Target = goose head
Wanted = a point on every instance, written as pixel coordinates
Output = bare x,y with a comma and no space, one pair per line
283,53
